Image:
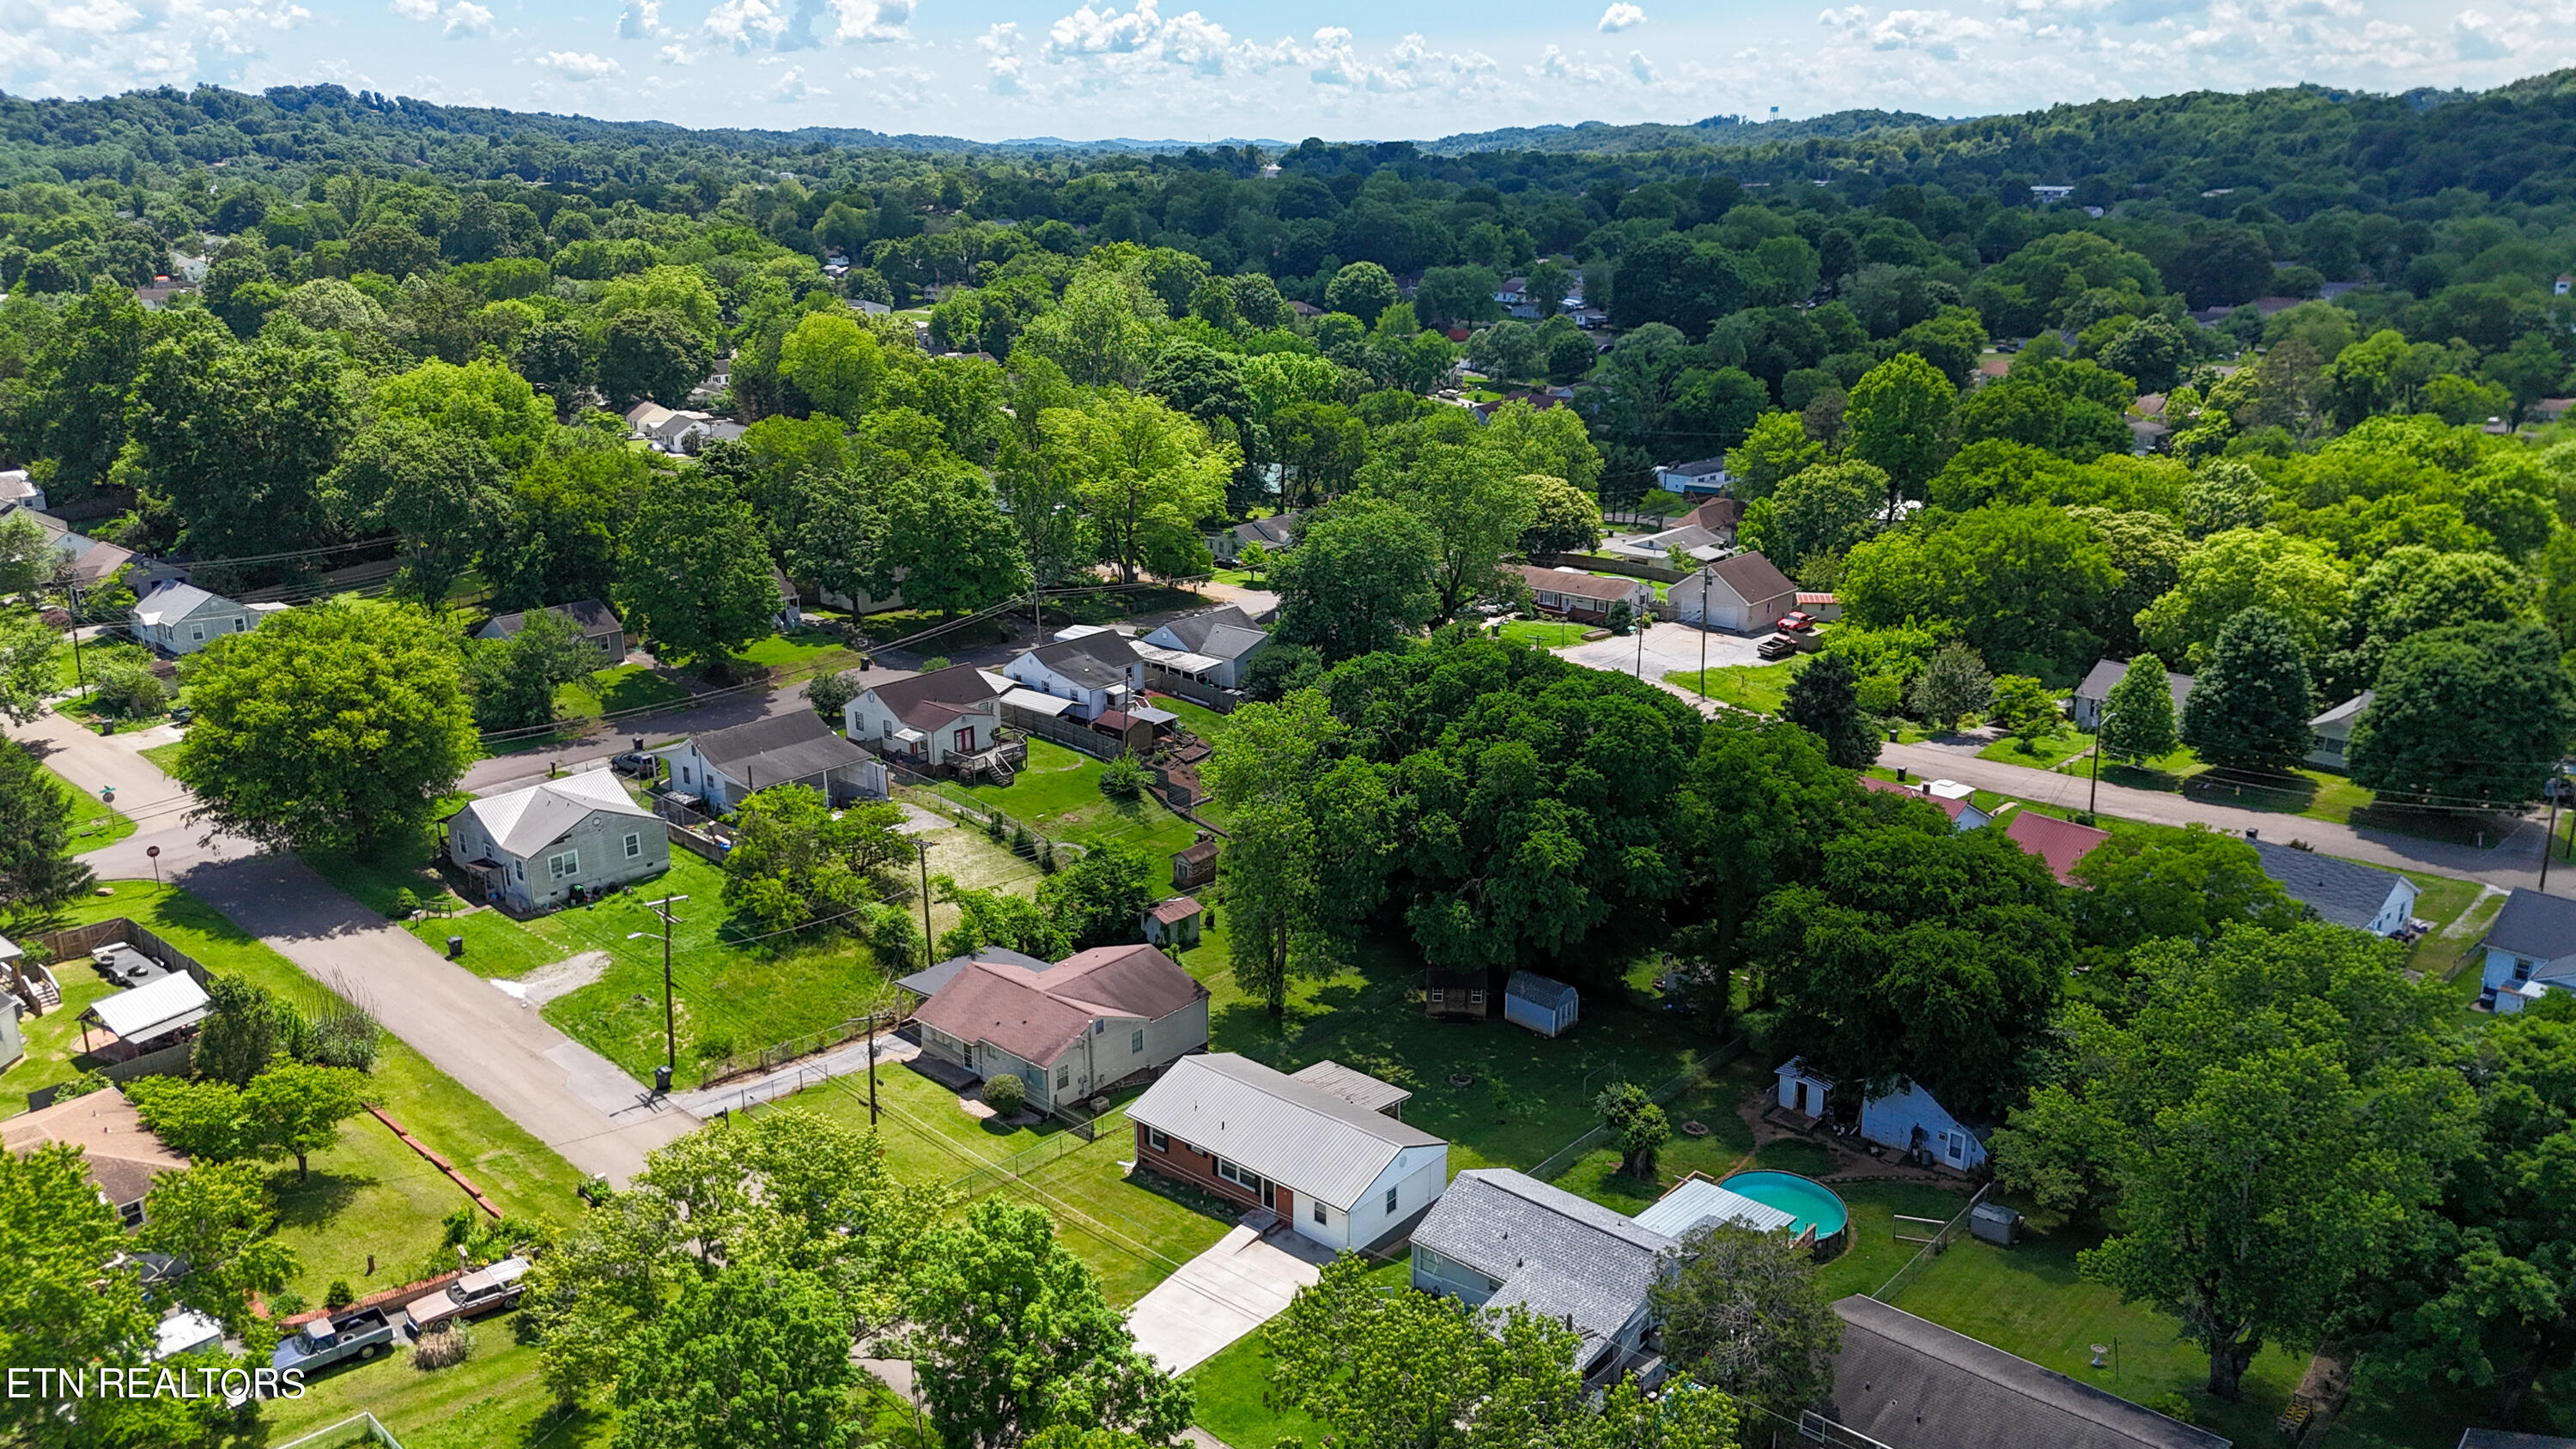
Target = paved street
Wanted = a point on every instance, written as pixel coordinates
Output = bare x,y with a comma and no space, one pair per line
500,1049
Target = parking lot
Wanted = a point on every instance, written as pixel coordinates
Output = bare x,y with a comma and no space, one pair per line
1665,648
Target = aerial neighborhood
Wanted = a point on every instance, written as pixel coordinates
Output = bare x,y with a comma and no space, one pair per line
1851,780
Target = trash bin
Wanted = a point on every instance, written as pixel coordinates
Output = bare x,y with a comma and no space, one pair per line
662,1079
455,948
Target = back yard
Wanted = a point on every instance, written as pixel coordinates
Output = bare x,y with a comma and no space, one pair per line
1058,796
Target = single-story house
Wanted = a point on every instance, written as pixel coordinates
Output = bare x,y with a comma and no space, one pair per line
1908,1118
2096,689
929,980
16,487
2332,732
88,561
1098,669
1356,1087
791,603
148,1017
1458,995
723,767
1744,593
1342,1174
1903,1383
679,430
180,618
1174,923
1211,646
2531,949
1543,1004
1195,865
1948,796
2061,843
1824,608
118,1152
1703,475
1700,545
1719,516
1499,1239
2378,901
1087,1024
1276,534
1697,1202
927,718
600,627
1579,595
532,848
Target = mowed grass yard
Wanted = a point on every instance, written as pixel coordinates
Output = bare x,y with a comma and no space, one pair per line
733,992
1058,796
1759,688
369,1195
94,822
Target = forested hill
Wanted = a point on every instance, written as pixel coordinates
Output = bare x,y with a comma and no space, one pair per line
1602,138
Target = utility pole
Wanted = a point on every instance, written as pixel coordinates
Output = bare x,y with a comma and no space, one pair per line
926,938
2557,784
71,591
1703,631
670,1015
2093,800
873,1019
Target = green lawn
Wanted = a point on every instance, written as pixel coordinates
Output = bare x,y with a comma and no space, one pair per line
53,1040
800,649
378,883
1202,721
1756,687
733,994
2041,754
165,758
94,822
615,691
1545,633
1231,1384
368,1194
1058,796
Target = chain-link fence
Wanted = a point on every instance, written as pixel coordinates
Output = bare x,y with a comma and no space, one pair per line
1932,1247
1700,1071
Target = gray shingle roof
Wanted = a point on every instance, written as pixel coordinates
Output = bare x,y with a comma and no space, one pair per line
796,745
1094,660
1226,633
2337,890
2107,672
588,616
1910,1384
2534,925
1752,577
1545,991
1295,1133
929,979
1554,1252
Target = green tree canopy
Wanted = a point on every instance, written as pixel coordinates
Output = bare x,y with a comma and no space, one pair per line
693,576
2478,714
1360,581
2251,706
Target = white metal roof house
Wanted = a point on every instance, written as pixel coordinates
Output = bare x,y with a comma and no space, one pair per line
535,847
180,618
1212,646
1342,1172
2377,901
2531,950
1097,671
1499,1239
724,767
1697,1202
1706,475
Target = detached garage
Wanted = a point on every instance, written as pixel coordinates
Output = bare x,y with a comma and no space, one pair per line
1744,593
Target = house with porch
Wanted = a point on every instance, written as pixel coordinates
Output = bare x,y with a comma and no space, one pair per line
1501,1239
1086,1025
929,721
1098,670
534,848
1906,1118
1745,594
725,767
1309,1148
1584,596
598,625
1211,646
2530,950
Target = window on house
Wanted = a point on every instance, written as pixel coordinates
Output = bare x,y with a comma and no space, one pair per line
240,624
1155,1139
1064,1076
196,631
1390,1202
518,871
564,866
1136,1041
1438,996
634,846
1098,1027
1247,1180
1475,998
966,738
1319,1209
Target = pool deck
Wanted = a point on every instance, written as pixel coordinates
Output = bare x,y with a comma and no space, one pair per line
1757,1184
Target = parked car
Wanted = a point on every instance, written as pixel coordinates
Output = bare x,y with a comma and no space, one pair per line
1778,646
485,1290
1796,621
334,1337
642,766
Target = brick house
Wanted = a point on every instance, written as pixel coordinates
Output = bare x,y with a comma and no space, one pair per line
1320,1149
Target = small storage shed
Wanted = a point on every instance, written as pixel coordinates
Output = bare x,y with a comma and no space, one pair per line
1174,923
1195,866
1546,1006
1995,1223
1457,995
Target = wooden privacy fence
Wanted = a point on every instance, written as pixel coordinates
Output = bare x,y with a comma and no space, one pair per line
81,940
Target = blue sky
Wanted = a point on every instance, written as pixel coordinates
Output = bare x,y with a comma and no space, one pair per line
996,69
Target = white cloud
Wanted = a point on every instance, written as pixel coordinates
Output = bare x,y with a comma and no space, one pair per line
1936,33
1413,65
638,20
791,87
1640,67
678,54
746,23
2477,36
1001,47
467,18
873,21
579,65
416,9
1621,16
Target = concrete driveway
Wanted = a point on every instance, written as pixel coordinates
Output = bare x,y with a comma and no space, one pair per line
1665,648
1221,1295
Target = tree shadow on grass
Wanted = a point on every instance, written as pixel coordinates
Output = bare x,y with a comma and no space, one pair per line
2253,790
2457,827
1792,1154
317,1200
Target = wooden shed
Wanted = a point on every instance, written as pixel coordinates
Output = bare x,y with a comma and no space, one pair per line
1543,1004
1195,866
1457,995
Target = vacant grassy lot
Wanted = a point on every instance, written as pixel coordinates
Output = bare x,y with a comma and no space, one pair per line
2045,753
1756,687
1544,633
1058,796
734,993
616,690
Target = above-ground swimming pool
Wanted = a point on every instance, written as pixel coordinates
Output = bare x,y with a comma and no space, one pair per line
1811,1202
